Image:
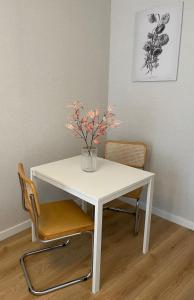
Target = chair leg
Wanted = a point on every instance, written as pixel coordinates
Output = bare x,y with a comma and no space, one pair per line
55,287
120,210
136,213
137,218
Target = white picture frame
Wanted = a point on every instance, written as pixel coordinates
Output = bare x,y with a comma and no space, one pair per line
157,43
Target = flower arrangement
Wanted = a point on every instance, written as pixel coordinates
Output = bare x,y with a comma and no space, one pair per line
156,40
92,125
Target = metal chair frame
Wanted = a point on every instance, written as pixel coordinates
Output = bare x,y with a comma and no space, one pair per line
135,212
46,249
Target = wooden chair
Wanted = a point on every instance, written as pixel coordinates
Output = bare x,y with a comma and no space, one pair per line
132,154
53,222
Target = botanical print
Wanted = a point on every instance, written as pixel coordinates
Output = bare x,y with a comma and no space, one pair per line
155,41
157,33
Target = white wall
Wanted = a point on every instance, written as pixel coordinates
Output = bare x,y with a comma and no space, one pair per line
160,113
51,52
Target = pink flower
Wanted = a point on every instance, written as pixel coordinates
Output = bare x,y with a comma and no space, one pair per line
89,127
70,126
101,131
97,112
91,114
76,105
84,121
96,141
114,124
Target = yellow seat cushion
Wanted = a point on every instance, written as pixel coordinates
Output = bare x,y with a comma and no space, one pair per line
61,218
134,194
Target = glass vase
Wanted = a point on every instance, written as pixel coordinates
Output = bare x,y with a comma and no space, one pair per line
89,159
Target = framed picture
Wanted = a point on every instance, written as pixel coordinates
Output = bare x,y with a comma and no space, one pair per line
157,43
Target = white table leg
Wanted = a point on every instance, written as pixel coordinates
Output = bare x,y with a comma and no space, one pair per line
148,215
32,224
97,248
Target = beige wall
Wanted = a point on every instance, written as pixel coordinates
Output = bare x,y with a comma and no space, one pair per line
159,113
51,52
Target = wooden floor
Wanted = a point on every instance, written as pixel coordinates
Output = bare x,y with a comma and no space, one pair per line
166,272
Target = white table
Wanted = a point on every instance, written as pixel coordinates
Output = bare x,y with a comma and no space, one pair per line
111,180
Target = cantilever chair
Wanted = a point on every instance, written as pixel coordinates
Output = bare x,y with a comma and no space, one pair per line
132,154
53,222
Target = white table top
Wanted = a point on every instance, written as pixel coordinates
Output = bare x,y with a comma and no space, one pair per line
111,179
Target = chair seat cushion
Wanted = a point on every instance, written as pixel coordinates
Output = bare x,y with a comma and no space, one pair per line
61,218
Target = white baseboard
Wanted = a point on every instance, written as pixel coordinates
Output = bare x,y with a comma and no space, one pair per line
164,214
173,218
15,229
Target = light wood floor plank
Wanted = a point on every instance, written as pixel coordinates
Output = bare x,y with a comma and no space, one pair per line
165,273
